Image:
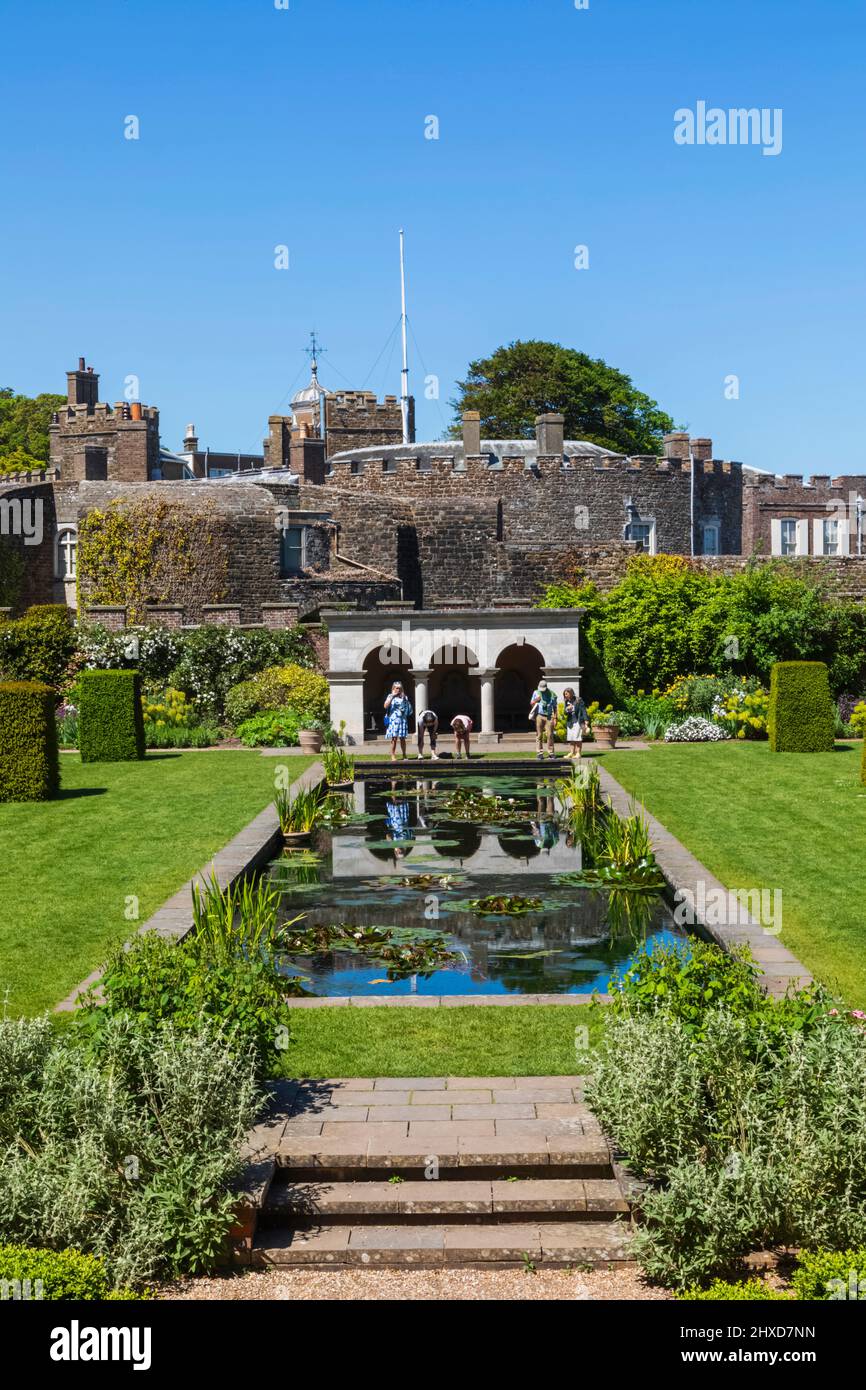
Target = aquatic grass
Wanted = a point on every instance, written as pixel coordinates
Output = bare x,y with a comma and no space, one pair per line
301,813
240,919
339,766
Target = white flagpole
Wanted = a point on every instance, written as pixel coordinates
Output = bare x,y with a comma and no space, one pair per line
404,389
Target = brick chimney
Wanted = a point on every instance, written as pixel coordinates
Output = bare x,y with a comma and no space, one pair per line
676,445
190,440
550,433
82,386
471,432
702,449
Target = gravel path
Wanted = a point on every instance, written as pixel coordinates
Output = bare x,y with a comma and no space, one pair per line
354,1285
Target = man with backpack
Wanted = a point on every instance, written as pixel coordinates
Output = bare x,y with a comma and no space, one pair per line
542,711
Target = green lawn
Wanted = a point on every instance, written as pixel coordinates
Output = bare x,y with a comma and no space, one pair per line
68,866
757,819
503,1040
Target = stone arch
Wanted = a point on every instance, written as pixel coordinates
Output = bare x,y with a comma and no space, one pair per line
379,676
453,684
519,667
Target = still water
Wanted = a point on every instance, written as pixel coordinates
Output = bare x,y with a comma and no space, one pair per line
403,865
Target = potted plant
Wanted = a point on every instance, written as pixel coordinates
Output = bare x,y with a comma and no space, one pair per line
299,814
311,734
339,768
605,727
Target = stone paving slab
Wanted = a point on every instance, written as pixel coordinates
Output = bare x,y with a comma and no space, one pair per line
362,1119
445,1001
510,1243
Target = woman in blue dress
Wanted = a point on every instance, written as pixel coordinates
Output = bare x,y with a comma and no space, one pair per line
398,710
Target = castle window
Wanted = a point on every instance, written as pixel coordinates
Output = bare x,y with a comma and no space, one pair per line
712,533
292,551
66,553
355,466
789,536
830,538
644,533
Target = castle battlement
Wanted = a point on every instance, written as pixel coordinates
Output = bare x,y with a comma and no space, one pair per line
773,483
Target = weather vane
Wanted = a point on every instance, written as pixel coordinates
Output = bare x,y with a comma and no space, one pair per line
313,352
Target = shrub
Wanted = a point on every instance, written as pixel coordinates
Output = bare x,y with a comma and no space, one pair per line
155,981
278,728
753,1128
29,761
111,725
125,1150
39,646
168,708
748,1290
279,687
830,1274
204,663
55,1274
50,610
695,730
214,659
801,717
199,736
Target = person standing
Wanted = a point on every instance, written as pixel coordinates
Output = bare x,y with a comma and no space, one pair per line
576,721
542,711
462,726
398,709
427,722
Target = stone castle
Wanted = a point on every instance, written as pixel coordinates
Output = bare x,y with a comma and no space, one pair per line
337,513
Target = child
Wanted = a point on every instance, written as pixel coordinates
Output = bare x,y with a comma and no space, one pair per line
576,721
462,726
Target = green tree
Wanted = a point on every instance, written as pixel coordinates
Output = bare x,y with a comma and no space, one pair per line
24,422
526,379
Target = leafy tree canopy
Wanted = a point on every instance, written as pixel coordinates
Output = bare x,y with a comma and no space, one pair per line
527,379
24,422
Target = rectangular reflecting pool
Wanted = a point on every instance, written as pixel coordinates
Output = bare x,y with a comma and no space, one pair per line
427,896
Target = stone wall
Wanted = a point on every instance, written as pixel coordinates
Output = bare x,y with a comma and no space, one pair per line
587,498
27,530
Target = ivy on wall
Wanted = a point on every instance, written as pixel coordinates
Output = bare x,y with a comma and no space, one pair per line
132,554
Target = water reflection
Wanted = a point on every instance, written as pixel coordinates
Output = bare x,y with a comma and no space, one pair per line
573,942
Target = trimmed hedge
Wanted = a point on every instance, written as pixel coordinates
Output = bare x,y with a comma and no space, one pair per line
29,758
50,610
830,1275
30,1273
39,646
111,722
801,717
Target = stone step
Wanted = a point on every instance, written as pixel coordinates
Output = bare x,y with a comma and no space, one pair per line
546,1199
366,1152
547,1243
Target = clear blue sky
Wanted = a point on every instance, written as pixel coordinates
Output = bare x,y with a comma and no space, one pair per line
305,126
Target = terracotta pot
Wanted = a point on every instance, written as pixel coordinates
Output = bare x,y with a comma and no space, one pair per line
606,735
310,740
